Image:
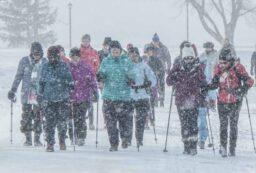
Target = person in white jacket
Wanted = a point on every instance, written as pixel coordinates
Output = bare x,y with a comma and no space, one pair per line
140,92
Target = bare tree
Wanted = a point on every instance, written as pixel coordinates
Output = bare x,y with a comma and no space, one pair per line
210,12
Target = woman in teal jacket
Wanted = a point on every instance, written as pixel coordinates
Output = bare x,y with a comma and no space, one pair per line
116,72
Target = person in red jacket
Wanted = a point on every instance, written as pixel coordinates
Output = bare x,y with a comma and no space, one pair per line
233,82
91,56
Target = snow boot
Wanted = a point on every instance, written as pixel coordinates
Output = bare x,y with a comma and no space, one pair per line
186,148
49,148
232,152
201,144
28,141
80,142
37,142
223,151
113,148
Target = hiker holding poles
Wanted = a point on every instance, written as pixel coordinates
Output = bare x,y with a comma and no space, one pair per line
233,82
28,72
188,78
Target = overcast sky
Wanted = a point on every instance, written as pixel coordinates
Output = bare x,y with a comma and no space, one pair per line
135,21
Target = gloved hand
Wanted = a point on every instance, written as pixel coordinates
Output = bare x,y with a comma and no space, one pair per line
147,83
130,82
101,77
242,90
11,96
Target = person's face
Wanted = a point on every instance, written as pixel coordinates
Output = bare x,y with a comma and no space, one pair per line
52,59
36,56
115,52
150,53
106,48
62,54
208,50
75,59
134,56
188,59
86,42
224,63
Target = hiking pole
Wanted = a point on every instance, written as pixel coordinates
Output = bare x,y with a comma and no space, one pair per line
249,115
43,125
73,127
152,112
11,128
210,126
209,136
97,122
167,131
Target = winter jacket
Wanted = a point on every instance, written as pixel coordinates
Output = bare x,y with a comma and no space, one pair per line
84,82
142,71
116,73
157,67
210,61
228,82
253,63
56,82
91,56
163,54
23,74
188,85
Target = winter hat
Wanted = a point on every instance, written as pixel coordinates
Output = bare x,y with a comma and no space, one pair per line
61,48
53,52
74,52
134,50
36,47
107,41
226,55
187,52
129,45
155,38
208,45
86,37
115,44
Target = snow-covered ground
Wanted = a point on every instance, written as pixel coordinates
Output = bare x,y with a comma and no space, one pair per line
18,159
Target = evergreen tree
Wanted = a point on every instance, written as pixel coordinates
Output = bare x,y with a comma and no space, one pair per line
25,21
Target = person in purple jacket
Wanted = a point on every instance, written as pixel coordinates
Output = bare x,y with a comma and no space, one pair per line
188,79
85,85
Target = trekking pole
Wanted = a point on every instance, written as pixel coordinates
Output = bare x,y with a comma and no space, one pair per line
249,115
167,131
209,136
73,127
152,112
43,124
97,122
11,128
210,126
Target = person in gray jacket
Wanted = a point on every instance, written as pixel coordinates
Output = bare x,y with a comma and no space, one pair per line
161,52
29,73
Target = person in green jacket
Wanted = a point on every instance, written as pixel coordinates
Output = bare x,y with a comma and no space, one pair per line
116,74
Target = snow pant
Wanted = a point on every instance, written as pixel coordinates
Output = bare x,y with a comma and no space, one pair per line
31,113
189,129
141,108
228,115
78,111
56,114
161,87
118,112
90,113
202,124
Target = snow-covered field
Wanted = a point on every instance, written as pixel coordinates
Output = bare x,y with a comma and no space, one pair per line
18,159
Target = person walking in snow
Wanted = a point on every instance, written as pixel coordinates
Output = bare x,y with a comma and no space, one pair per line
29,73
189,79
233,82
162,53
90,55
253,64
140,92
209,59
55,85
116,72
104,52
84,85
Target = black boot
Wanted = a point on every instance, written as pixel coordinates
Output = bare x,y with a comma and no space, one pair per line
186,148
232,152
193,148
28,141
37,142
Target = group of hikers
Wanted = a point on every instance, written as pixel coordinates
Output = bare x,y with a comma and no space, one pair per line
59,91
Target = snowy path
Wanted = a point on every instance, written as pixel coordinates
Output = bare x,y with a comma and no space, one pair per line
18,159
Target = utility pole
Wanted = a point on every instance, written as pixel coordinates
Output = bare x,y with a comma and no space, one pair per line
187,7
70,24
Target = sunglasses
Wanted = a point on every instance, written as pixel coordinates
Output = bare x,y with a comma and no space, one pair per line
36,54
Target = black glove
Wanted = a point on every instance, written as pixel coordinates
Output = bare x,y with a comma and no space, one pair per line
147,83
101,77
11,96
242,90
